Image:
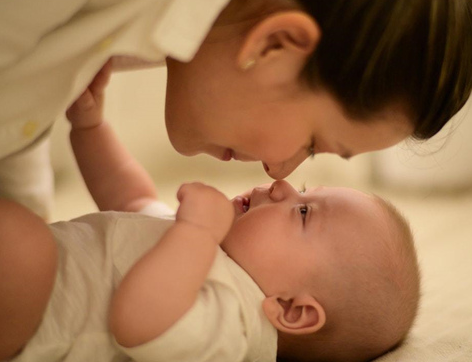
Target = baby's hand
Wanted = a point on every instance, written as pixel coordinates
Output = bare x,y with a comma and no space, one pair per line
87,110
205,207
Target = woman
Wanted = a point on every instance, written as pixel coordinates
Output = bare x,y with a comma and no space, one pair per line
274,81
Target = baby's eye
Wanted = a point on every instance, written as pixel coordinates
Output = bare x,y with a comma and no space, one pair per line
303,209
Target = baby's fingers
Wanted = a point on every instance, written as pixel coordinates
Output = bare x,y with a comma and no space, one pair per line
83,105
99,83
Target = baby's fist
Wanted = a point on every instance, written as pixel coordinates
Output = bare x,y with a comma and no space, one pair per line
206,208
87,110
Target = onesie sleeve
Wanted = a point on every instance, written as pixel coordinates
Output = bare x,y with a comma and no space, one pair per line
211,331
23,23
157,209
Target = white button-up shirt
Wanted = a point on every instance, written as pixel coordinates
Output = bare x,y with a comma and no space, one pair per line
50,51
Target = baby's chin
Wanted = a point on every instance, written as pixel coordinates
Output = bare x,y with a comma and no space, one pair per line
225,247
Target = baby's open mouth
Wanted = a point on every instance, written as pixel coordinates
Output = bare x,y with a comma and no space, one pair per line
246,203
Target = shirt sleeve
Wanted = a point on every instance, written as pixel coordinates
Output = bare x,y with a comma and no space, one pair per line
211,331
23,23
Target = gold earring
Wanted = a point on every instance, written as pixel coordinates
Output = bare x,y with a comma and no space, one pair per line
248,64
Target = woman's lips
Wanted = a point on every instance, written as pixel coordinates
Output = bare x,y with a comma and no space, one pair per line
228,155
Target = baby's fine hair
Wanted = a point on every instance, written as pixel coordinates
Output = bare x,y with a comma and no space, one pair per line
371,303
415,52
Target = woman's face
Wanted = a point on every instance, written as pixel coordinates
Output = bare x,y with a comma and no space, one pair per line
214,107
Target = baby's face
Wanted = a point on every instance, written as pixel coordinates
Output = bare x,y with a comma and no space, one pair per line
281,237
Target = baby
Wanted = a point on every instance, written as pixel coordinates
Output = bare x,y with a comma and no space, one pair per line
325,275
329,274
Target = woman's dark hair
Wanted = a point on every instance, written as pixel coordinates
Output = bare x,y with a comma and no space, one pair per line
375,52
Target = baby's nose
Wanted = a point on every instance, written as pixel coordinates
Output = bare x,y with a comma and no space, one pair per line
280,190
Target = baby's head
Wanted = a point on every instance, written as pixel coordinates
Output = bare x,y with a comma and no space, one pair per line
338,268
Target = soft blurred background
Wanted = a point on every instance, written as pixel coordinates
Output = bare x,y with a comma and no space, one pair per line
430,182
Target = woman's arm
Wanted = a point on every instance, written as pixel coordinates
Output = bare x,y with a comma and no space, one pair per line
113,177
162,286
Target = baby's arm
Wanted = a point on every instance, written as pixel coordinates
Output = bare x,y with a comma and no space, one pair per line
114,178
162,286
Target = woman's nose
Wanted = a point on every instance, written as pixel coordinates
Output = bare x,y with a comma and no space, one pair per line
281,170
281,190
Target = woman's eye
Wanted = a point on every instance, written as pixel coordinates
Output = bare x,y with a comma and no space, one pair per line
311,149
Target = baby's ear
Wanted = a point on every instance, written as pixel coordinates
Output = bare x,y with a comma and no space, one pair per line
300,315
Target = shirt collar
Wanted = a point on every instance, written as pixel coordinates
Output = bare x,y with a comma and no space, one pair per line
185,25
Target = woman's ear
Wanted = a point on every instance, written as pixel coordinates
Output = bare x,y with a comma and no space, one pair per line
299,315
277,47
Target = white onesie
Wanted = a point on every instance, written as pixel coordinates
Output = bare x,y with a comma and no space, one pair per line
95,251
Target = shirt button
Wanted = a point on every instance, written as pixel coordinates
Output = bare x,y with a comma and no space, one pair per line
30,128
105,43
